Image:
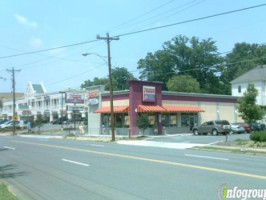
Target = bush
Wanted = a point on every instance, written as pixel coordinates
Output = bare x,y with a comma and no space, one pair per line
258,136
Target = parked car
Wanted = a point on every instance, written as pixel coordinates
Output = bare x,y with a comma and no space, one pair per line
3,121
9,124
255,126
246,126
214,127
237,128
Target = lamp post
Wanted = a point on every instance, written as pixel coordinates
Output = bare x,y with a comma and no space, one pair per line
110,87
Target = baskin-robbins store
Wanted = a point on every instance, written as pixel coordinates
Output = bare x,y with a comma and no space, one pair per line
168,112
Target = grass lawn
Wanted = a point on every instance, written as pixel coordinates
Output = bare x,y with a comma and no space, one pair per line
5,194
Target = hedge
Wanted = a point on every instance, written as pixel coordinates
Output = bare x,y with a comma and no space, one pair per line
258,136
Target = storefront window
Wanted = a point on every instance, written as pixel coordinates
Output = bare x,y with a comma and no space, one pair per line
118,120
151,120
126,121
166,120
173,120
184,119
189,119
105,120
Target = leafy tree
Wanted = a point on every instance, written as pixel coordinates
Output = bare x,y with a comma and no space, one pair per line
243,58
181,55
96,81
248,109
38,122
183,83
120,76
143,123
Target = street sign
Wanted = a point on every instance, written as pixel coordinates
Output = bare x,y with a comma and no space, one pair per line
15,117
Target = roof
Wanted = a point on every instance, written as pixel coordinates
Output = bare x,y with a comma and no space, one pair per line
151,109
38,88
256,74
117,109
142,108
10,95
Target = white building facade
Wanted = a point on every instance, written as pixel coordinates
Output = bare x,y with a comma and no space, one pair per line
37,101
256,76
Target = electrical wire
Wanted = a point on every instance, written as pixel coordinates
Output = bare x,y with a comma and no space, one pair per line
136,32
49,49
189,21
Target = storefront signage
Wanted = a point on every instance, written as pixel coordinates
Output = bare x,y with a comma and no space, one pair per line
74,108
93,94
93,101
148,94
74,98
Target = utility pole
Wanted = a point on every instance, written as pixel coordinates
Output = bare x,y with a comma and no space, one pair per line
108,39
14,97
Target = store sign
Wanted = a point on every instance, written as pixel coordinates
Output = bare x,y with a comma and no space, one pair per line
92,94
74,98
148,94
93,101
75,108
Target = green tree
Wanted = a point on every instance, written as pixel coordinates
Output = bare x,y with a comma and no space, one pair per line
248,109
96,81
183,83
120,76
196,58
143,123
243,58
38,122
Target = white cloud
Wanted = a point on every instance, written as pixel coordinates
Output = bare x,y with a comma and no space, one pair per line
24,21
36,42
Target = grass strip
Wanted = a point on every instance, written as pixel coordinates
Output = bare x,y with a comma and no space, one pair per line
5,194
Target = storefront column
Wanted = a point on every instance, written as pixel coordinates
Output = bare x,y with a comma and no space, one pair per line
51,117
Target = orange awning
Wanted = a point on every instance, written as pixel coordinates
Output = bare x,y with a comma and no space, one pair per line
117,109
142,108
183,109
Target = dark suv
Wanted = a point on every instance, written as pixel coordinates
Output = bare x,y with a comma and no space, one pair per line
214,127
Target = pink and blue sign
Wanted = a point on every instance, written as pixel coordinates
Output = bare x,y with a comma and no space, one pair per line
149,94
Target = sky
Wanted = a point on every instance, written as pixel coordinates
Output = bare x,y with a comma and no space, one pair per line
34,25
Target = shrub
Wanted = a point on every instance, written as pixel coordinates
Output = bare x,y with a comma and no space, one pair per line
258,136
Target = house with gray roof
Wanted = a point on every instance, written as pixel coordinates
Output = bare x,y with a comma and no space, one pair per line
257,76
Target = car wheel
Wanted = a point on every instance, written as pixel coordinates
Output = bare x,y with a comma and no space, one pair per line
214,132
195,132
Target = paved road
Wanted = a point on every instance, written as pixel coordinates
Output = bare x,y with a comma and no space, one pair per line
64,169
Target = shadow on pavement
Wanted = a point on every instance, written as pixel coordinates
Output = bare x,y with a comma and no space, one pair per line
6,171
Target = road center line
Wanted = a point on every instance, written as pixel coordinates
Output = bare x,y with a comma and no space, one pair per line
74,162
172,163
97,145
207,157
11,148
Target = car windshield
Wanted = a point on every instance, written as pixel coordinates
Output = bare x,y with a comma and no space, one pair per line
224,122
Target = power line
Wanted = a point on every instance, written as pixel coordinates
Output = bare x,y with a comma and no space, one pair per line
171,12
142,15
191,20
136,32
49,49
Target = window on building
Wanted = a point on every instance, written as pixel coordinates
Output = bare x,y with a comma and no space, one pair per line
119,120
166,120
239,89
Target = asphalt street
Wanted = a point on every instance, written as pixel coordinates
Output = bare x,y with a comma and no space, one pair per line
37,168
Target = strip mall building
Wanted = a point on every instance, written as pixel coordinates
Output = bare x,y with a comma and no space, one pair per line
168,112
